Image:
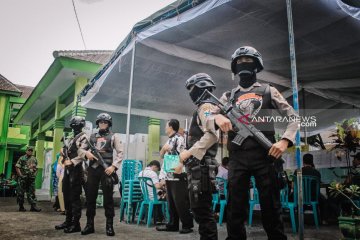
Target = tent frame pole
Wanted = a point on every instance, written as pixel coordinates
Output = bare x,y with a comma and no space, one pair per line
129,102
296,108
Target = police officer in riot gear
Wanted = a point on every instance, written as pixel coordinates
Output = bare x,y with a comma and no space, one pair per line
74,153
105,142
250,159
200,158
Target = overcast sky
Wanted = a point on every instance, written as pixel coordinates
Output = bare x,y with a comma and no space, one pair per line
32,30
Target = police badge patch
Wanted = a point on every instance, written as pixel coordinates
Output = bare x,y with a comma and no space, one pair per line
249,103
100,144
207,112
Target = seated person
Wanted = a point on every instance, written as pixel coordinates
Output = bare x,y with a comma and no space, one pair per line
223,168
223,172
308,169
151,171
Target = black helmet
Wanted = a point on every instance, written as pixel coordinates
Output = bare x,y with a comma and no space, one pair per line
104,117
250,52
200,80
77,122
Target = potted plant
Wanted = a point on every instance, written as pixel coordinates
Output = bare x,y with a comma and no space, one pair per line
349,220
347,137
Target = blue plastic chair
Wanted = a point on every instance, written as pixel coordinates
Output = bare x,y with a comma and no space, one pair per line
145,182
221,184
285,204
255,200
130,169
215,201
131,193
308,183
131,196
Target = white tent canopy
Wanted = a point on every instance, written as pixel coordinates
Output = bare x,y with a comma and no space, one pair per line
174,44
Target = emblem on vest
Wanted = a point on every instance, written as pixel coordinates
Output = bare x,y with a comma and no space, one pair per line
249,104
100,144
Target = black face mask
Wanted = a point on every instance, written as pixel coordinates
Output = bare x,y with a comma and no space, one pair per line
195,94
77,130
246,72
103,131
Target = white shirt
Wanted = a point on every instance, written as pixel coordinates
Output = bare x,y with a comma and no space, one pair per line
222,172
148,172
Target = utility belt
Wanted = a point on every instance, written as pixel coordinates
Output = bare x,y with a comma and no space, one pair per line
201,175
176,177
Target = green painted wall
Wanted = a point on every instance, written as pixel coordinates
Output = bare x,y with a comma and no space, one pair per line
78,110
40,147
153,139
4,124
9,163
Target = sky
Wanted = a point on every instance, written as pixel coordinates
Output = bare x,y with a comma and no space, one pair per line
31,30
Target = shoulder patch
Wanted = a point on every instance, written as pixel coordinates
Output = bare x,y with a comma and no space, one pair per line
207,110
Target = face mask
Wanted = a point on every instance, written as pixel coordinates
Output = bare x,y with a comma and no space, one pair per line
246,72
195,94
76,131
103,131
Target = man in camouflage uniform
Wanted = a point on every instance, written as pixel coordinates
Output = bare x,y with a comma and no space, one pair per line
26,168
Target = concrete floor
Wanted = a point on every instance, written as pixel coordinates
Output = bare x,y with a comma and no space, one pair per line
29,225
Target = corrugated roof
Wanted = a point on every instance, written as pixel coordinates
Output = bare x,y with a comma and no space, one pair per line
6,85
95,56
26,90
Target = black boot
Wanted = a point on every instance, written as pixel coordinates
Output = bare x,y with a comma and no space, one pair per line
62,226
21,208
75,227
89,228
109,227
65,224
34,208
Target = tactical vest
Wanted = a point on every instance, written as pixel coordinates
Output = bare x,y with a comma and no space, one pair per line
195,134
72,150
267,128
106,150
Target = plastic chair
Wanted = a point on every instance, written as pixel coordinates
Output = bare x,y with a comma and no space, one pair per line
131,193
254,200
285,204
131,196
130,169
215,201
221,184
308,184
146,182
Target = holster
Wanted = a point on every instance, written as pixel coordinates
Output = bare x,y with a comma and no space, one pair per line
114,178
281,176
201,177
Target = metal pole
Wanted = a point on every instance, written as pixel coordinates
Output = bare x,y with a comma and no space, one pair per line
304,106
129,102
296,108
